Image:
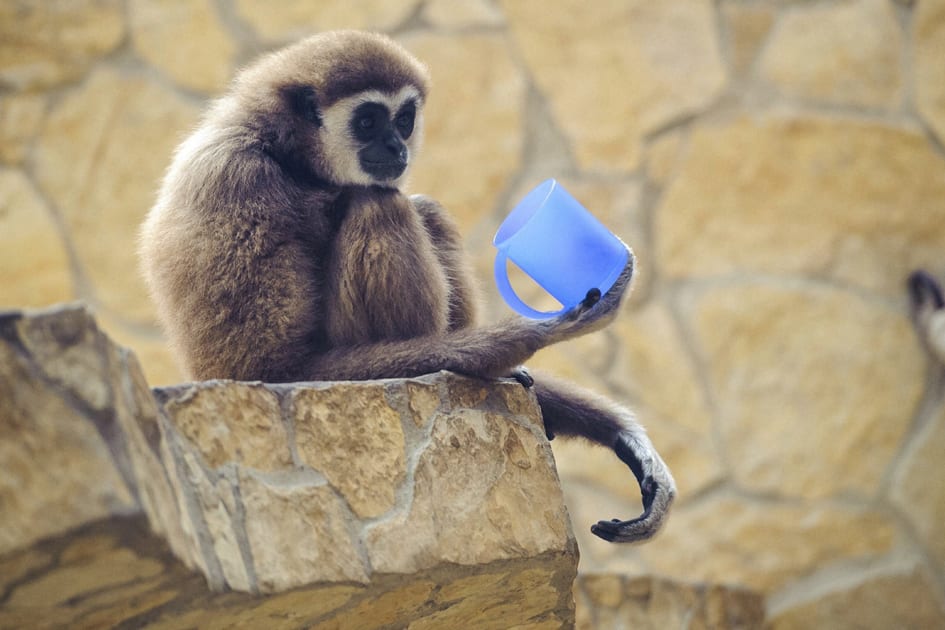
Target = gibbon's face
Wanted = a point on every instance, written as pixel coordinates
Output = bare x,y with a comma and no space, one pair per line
370,138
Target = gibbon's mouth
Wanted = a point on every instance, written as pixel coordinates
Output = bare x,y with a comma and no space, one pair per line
384,170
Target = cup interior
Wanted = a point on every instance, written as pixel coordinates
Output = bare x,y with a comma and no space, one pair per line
523,212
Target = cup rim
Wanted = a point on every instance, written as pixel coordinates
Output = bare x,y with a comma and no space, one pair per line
506,231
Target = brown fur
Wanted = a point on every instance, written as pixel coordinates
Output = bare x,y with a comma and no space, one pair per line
266,264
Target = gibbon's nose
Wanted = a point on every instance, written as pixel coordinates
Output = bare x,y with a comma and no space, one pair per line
396,147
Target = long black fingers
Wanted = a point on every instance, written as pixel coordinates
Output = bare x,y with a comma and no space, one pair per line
592,298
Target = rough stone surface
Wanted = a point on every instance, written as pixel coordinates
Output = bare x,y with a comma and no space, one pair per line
919,491
765,545
613,601
242,426
233,477
297,18
493,469
462,13
489,495
473,116
844,53
298,534
58,472
856,201
353,436
21,116
929,41
48,43
184,39
907,600
667,66
31,276
84,163
748,26
115,573
781,366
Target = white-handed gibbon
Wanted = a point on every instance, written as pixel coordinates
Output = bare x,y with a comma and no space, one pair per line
281,248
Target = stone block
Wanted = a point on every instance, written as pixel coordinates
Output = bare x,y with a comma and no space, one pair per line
908,598
297,18
337,482
766,545
56,420
185,39
34,263
843,53
422,501
928,39
608,98
99,157
781,361
646,603
44,44
474,116
858,201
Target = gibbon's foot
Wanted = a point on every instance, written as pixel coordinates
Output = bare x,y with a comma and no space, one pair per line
928,311
656,487
521,375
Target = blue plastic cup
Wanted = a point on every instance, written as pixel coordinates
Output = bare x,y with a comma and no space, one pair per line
560,245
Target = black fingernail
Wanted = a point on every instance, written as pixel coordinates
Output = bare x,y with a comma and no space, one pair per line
592,298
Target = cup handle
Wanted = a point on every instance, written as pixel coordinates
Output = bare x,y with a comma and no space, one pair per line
508,293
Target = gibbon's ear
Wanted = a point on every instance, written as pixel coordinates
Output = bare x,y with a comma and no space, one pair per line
304,102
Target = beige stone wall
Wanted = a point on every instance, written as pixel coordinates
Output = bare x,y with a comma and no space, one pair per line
778,166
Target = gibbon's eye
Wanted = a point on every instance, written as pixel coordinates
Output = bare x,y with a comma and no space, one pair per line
367,120
405,120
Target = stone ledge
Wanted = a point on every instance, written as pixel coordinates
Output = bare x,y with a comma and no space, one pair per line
447,482
114,573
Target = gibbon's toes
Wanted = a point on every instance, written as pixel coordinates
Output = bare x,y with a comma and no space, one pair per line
657,490
523,377
638,529
618,531
641,528
924,290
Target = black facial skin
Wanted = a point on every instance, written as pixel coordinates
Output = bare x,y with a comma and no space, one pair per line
383,154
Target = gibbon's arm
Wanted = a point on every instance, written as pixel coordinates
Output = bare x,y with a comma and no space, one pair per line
928,311
486,351
572,411
464,303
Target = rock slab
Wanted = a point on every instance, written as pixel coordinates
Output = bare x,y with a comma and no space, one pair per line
253,486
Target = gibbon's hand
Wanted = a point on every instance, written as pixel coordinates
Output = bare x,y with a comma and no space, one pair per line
595,311
928,311
657,487
925,293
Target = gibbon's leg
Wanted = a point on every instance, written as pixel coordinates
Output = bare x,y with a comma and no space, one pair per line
487,351
569,410
384,276
448,243
928,311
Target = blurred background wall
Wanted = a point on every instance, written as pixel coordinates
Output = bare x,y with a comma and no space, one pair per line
778,167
